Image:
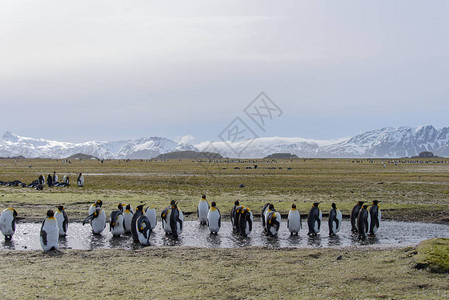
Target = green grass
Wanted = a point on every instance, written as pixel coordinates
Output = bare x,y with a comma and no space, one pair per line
433,255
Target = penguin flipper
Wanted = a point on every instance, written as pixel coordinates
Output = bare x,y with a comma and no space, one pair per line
13,224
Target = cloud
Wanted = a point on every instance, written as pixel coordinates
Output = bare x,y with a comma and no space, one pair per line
186,139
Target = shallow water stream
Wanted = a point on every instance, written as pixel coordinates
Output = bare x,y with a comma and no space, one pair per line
390,234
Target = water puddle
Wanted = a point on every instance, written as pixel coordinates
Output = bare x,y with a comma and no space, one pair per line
80,237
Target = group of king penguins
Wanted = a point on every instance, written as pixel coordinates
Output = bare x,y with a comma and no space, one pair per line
142,222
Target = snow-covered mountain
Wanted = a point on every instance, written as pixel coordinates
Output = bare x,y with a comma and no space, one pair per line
385,142
12,145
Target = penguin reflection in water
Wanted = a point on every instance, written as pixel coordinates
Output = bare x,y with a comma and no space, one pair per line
335,219
214,219
97,220
8,222
314,220
172,219
49,232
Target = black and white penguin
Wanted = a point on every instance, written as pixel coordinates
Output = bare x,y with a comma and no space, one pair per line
80,180
127,218
375,215
137,214
214,219
245,221
172,219
335,219
63,220
97,220
55,177
151,214
233,212
8,222
354,214
93,207
294,220
49,180
202,210
273,222
49,236
41,179
263,216
116,223
314,220
237,218
143,230
363,222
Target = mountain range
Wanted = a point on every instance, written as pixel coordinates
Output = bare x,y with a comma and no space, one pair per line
387,142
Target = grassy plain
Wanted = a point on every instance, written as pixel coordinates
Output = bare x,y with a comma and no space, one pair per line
417,192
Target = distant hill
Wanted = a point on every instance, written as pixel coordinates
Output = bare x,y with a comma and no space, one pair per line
14,157
189,155
81,156
281,156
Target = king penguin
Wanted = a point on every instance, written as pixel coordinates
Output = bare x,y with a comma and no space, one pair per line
314,220
63,220
137,214
127,218
375,215
245,221
233,212
172,219
150,212
214,219
8,222
354,214
202,210
143,230
273,222
80,180
263,216
97,220
294,220
49,232
116,223
335,219
363,221
238,209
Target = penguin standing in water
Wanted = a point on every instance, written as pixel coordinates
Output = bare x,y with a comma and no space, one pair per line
354,214
8,222
314,220
263,216
363,221
294,220
49,180
245,221
143,230
49,232
375,215
116,223
202,210
214,219
236,219
233,212
97,220
172,219
150,212
273,222
63,220
55,177
137,214
127,217
80,180
335,219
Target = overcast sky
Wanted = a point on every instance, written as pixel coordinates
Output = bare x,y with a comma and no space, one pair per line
103,70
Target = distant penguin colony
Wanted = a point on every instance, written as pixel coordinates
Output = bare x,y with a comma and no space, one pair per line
141,223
